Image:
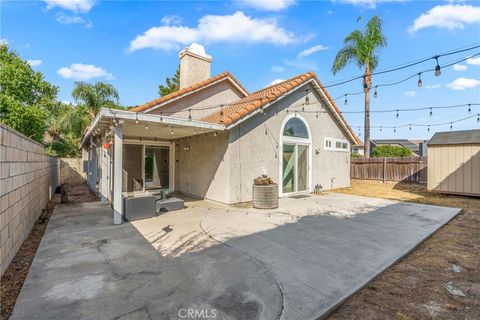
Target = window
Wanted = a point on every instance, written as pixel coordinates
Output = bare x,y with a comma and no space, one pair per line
328,144
336,144
342,145
295,128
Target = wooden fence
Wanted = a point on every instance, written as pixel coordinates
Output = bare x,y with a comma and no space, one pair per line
411,169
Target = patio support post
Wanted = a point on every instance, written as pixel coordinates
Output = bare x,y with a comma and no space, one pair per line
117,175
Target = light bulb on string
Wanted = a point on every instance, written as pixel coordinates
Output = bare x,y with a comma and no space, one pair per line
375,93
394,129
307,99
431,112
420,83
136,118
346,100
171,132
146,126
451,126
397,114
438,72
428,128
189,114
380,128
469,108
478,117
316,114
410,127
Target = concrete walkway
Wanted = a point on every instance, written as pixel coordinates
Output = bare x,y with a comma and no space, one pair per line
296,262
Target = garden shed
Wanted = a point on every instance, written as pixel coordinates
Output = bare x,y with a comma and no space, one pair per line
454,162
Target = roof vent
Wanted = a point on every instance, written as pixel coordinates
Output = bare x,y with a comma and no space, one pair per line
194,65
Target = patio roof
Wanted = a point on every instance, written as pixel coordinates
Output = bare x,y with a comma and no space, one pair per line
148,126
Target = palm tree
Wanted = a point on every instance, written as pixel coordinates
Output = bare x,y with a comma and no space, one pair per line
361,47
95,96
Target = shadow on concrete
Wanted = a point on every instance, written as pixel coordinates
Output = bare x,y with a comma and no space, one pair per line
300,269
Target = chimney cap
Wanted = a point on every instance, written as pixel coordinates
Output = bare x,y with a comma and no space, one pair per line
196,49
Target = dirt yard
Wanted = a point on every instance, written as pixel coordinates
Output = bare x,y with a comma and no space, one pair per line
439,280
14,276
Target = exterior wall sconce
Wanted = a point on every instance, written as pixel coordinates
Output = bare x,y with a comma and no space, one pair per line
317,151
187,148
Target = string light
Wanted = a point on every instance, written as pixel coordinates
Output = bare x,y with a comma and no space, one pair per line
171,132
410,127
136,118
381,128
394,129
221,110
316,114
375,94
215,134
397,114
438,72
419,83
307,99
346,101
189,114
431,112
451,126
469,108
146,126
478,117
161,116
428,128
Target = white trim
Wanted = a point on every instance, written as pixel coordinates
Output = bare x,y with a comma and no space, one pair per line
195,91
325,147
295,141
342,142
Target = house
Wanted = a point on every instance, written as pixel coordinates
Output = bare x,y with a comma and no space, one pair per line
418,147
212,137
454,162
358,149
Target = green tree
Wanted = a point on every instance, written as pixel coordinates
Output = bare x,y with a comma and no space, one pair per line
171,84
96,96
361,47
387,150
25,97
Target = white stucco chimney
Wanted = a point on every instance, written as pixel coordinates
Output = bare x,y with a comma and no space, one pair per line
194,65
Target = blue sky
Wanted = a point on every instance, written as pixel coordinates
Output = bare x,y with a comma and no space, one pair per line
134,46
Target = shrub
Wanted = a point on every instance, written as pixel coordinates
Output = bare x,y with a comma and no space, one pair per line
391,151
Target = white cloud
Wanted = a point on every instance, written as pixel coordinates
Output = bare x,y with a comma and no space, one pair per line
463,83
301,64
34,63
474,61
65,19
80,71
371,4
433,86
275,82
171,20
236,27
268,5
459,67
312,50
449,16
410,93
72,5
4,41
277,69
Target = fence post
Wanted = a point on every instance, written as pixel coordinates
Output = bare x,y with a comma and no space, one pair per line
384,169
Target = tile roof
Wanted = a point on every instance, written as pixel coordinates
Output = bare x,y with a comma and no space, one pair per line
181,92
235,111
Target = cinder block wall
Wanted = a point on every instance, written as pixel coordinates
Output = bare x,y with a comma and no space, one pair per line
27,182
71,171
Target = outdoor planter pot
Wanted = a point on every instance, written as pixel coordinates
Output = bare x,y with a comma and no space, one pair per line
265,196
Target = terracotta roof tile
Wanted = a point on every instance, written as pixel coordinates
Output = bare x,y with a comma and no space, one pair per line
150,104
237,110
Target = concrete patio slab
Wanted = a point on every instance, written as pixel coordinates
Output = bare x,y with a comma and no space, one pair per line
296,262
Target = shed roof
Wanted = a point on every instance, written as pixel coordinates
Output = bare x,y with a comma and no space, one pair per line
456,137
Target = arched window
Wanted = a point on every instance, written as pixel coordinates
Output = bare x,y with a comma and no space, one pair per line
296,128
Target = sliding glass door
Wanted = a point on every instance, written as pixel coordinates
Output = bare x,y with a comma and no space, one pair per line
295,167
157,167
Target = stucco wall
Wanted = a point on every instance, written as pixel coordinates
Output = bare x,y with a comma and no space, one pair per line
27,182
251,149
204,170
220,93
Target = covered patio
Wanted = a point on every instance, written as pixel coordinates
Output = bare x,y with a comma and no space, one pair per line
130,155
